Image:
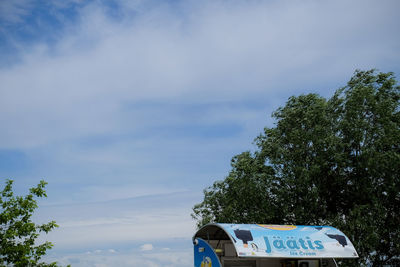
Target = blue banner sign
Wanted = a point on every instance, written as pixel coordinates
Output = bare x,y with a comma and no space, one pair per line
289,241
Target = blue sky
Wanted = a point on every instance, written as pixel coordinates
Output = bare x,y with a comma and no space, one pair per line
129,109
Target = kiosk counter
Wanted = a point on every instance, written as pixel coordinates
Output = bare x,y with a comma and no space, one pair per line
261,245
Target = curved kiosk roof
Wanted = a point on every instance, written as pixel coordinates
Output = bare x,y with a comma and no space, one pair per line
262,245
279,241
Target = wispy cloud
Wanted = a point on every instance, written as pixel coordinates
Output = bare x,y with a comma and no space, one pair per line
229,52
119,232
12,12
146,247
152,218
172,258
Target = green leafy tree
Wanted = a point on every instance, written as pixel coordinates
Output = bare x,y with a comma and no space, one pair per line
329,161
18,234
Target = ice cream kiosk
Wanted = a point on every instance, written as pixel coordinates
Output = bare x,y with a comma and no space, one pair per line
261,245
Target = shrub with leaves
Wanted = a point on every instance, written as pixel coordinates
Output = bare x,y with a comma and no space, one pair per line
18,233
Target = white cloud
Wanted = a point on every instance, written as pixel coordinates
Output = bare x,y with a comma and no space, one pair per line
13,11
176,258
146,247
116,192
227,51
145,220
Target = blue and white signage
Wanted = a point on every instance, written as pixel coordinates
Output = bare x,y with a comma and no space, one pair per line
289,241
204,255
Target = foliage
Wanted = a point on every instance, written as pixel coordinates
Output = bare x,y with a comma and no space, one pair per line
18,233
327,161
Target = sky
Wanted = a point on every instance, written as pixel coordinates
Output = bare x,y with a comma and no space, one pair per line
129,109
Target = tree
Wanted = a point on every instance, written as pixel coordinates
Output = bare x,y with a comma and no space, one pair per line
326,161
18,233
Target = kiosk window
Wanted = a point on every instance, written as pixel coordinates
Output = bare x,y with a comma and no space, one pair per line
300,263
289,263
240,263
